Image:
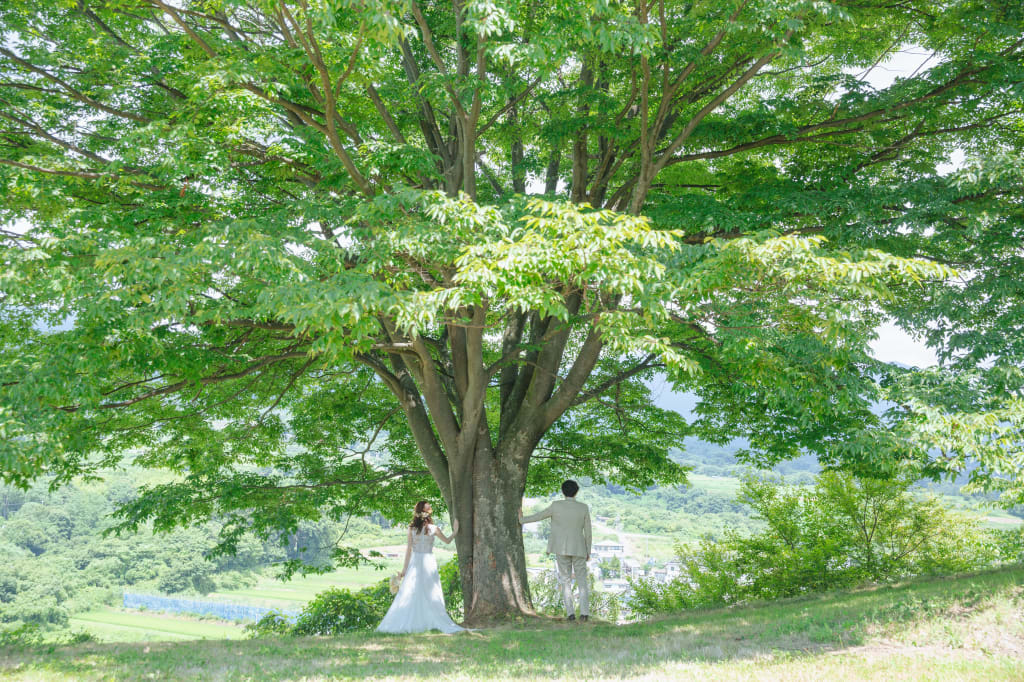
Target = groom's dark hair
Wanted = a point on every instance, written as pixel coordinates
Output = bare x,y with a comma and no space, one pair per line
570,488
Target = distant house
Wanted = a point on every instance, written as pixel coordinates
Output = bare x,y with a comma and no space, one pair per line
631,568
609,549
659,575
616,586
673,569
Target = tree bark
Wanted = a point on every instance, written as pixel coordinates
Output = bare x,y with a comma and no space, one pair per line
492,559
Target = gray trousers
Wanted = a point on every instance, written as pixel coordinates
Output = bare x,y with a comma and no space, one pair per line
570,568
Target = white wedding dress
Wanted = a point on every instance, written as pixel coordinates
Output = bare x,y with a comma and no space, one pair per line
419,604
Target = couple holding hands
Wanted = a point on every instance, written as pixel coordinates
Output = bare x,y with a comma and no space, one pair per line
419,603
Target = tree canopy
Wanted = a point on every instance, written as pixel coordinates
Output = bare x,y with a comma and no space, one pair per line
323,257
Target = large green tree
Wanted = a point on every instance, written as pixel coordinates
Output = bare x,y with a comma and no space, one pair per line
323,257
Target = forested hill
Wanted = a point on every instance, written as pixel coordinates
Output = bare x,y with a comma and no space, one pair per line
57,561
709,459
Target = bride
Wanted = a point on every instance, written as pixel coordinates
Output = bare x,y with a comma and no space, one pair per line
419,604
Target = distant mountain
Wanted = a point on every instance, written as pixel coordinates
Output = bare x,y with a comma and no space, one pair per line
710,459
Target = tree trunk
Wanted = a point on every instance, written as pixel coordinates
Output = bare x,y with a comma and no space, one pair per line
492,560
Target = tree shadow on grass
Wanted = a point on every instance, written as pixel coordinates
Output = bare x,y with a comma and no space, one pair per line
791,628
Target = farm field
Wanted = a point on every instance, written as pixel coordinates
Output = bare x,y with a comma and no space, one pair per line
270,591
722,485
118,625
969,627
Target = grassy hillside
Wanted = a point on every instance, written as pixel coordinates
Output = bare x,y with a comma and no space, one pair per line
964,628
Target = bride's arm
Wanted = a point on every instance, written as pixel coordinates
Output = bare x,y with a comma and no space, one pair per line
444,538
408,552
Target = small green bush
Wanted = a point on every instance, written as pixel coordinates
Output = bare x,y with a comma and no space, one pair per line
272,623
1010,545
21,635
378,597
329,613
547,598
451,586
32,608
78,637
335,611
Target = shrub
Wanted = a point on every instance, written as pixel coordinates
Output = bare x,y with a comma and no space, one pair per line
378,596
842,532
78,637
91,597
1010,545
234,580
547,598
21,635
272,623
41,610
25,635
194,574
451,586
710,578
336,610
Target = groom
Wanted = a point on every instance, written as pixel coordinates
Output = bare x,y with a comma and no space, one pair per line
570,543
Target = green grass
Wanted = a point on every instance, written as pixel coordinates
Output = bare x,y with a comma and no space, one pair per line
115,625
997,518
965,628
724,485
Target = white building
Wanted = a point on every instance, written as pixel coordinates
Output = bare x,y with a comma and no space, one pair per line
609,549
631,568
617,586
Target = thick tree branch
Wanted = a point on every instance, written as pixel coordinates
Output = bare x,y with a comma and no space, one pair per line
573,383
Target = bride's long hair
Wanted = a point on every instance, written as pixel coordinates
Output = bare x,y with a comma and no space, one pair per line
420,518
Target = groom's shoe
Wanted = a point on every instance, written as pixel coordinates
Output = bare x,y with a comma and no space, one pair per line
571,618
584,618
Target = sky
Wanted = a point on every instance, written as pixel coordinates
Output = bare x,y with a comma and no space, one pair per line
894,344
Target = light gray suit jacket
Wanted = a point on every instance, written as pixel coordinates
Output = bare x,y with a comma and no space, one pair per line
570,527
